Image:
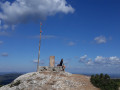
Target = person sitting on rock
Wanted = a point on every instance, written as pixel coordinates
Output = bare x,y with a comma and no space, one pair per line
62,64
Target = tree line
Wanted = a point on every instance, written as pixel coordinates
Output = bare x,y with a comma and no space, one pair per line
104,82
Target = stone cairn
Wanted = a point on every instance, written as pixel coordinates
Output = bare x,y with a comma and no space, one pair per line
51,67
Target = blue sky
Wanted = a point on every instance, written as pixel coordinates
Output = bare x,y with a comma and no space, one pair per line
85,35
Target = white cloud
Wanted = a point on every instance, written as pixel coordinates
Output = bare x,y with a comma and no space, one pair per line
114,60
1,42
5,26
90,62
100,39
83,57
22,11
4,54
36,61
71,43
0,22
101,61
3,33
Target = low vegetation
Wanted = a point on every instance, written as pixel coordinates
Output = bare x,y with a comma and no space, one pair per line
15,83
104,82
117,81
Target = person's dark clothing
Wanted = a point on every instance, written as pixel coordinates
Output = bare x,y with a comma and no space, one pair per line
61,63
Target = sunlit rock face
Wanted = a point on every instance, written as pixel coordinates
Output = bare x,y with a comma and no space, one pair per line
50,69
50,81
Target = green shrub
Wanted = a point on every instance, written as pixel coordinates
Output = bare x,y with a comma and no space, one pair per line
15,83
103,82
117,81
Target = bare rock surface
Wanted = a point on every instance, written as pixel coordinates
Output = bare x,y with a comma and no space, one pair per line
50,81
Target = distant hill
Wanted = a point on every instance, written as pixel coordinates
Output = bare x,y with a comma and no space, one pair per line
8,78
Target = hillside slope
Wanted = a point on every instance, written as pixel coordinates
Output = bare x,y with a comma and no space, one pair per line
50,81
8,78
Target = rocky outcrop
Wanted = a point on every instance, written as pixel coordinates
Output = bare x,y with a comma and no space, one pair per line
50,81
50,69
